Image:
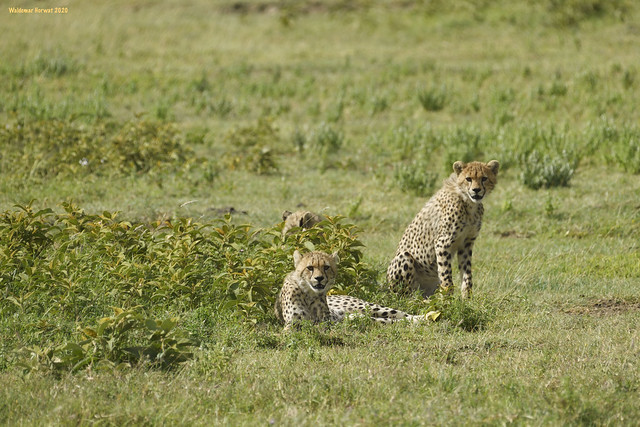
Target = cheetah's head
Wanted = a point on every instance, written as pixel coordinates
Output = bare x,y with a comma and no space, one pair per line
302,219
317,270
476,179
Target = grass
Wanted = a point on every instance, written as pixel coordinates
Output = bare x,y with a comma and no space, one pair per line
128,130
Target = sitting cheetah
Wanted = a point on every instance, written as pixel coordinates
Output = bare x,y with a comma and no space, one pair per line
304,295
302,219
447,225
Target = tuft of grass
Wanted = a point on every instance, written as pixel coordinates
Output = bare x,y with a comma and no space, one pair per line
433,98
415,178
50,64
326,140
570,13
619,144
546,171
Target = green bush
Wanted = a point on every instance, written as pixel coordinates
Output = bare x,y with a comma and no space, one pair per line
77,266
48,149
433,98
58,262
545,171
252,147
128,338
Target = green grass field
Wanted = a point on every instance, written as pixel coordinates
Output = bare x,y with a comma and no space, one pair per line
129,129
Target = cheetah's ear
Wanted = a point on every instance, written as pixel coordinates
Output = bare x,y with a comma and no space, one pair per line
285,215
336,258
494,166
297,256
457,167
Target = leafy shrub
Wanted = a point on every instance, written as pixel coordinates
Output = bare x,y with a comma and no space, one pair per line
76,266
252,144
142,146
546,171
50,148
126,338
72,257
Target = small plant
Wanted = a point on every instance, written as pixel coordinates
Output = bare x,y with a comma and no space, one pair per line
447,305
326,140
507,206
143,146
567,13
620,144
299,140
252,147
549,207
415,178
629,79
545,171
379,103
558,88
433,98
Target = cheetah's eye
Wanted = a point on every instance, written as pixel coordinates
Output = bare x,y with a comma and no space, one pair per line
468,179
310,267
484,178
326,268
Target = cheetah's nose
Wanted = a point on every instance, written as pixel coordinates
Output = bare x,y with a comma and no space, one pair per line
319,279
477,190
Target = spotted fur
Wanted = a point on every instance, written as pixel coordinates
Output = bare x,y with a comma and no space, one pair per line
302,219
304,295
447,225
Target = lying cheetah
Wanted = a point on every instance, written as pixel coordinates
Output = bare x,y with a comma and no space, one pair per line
447,225
304,295
302,219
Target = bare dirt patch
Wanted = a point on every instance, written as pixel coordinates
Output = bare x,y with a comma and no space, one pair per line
604,307
514,233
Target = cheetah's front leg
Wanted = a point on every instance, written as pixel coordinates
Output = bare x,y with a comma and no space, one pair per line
464,265
443,258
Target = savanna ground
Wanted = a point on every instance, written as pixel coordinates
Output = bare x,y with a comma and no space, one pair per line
129,129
